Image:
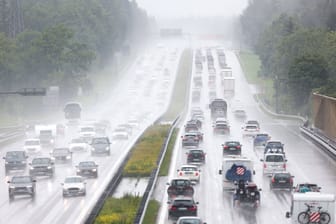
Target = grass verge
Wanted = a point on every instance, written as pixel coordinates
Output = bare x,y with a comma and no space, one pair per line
164,169
145,153
181,88
151,212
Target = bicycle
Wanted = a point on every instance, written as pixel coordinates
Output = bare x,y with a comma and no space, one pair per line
317,217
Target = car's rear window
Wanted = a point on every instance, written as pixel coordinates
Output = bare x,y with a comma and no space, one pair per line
183,202
189,169
274,158
282,176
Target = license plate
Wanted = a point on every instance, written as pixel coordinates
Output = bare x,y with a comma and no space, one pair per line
182,209
188,173
232,149
282,181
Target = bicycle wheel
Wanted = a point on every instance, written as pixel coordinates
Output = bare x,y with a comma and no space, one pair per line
324,218
303,218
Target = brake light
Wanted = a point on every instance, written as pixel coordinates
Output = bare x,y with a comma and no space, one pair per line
190,156
196,174
284,165
265,166
226,147
193,208
238,147
273,180
180,173
172,208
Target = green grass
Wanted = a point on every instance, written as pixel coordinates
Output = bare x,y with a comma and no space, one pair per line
164,169
251,64
119,210
181,88
145,153
151,212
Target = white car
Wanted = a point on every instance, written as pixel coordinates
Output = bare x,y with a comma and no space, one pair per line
78,145
32,145
250,130
87,133
274,163
189,220
190,172
133,122
74,186
120,133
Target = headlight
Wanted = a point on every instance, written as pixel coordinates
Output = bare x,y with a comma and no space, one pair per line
94,170
78,170
52,140
12,187
93,149
107,148
6,162
23,162
68,157
29,186
49,167
31,168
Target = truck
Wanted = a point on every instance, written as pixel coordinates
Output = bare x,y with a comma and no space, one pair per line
235,169
218,108
312,207
228,85
72,110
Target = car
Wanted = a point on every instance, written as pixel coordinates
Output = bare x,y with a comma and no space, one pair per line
254,122
78,145
221,126
199,134
100,145
250,130
42,166
307,187
260,140
196,95
240,113
190,139
87,168
133,122
87,133
21,185
273,145
273,162
32,145
190,220
128,128
246,194
120,133
182,206
232,148
61,154
180,187
190,172
15,160
212,95
74,186
192,125
196,156
281,180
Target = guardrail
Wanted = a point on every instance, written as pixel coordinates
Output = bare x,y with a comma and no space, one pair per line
9,134
153,177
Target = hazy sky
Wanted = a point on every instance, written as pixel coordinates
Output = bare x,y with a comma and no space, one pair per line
182,8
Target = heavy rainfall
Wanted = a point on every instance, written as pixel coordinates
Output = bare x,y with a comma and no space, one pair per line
161,112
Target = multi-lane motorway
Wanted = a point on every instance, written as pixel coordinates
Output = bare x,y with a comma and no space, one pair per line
305,161
143,92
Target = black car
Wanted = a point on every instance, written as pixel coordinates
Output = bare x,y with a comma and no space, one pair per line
42,166
100,145
87,168
184,206
281,181
21,185
15,160
196,156
232,148
180,187
61,154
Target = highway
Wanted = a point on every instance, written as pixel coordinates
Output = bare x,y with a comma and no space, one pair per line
305,161
142,93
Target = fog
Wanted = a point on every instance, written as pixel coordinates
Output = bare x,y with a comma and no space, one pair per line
190,8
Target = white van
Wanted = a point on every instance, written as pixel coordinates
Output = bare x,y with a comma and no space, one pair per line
242,166
273,162
312,207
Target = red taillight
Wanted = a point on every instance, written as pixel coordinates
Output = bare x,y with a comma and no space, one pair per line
291,180
193,208
196,174
172,208
180,173
284,165
273,180
226,147
265,166
238,147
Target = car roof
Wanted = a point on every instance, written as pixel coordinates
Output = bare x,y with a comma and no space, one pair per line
193,166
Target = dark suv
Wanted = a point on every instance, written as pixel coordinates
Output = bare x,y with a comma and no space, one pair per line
15,160
100,145
61,154
182,206
232,148
196,156
21,185
281,181
87,168
42,166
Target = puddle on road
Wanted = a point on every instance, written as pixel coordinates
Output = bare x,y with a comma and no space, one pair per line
133,186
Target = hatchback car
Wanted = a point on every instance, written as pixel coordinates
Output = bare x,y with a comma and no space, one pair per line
74,186
232,148
61,154
190,139
78,145
182,206
190,172
283,180
307,187
120,133
42,166
274,162
87,168
100,145
190,220
21,185
15,160
87,133
32,145
250,130
196,156
260,140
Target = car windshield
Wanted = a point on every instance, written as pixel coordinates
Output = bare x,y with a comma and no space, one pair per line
196,152
189,169
41,161
61,150
274,158
180,182
87,164
190,221
12,156
73,180
77,140
100,141
232,143
87,129
32,142
21,179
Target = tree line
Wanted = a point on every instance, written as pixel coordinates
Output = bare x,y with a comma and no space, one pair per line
59,41
296,43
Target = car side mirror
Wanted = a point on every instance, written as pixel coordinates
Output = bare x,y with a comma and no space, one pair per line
260,189
168,202
199,170
178,170
62,184
76,166
168,184
261,160
34,181
254,172
220,172
52,163
197,203
285,160
8,182
288,215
